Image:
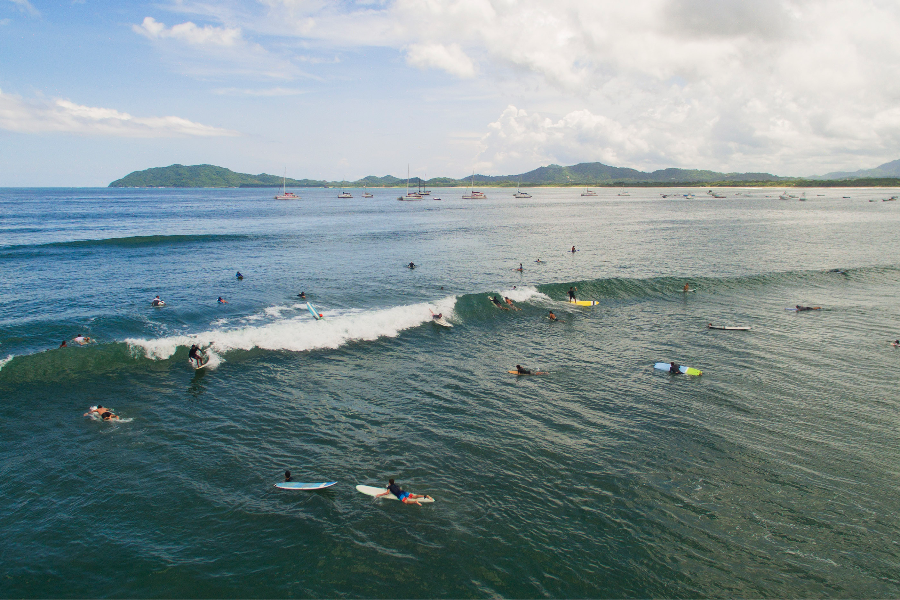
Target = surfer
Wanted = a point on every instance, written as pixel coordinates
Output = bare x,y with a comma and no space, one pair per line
687,287
895,343
81,339
104,413
802,308
520,268
572,291
411,265
302,295
510,303
287,476
437,317
522,370
538,261
573,249
157,302
497,303
63,345
674,368
195,354
238,275
552,317
222,300
404,497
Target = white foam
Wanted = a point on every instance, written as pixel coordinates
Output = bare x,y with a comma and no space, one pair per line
6,360
300,333
524,293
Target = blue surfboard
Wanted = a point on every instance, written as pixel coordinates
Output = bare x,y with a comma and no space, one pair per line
296,485
313,312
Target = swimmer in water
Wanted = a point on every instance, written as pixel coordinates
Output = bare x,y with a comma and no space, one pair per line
63,345
157,302
552,317
287,476
302,295
222,300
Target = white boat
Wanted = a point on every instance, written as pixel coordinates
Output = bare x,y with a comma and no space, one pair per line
344,194
588,192
286,195
422,191
410,196
624,193
519,193
473,195
366,193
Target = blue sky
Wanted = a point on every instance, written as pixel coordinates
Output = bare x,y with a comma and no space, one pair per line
92,90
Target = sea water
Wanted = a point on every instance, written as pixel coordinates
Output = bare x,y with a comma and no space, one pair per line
775,473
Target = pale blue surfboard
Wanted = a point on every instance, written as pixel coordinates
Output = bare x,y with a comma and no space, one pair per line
296,485
686,370
313,312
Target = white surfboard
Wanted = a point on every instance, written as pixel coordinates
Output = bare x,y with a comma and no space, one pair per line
296,485
728,328
686,370
374,491
442,322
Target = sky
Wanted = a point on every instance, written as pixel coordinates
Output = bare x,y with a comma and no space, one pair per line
91,90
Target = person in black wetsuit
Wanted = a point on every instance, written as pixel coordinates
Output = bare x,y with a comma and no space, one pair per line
287,476
522,370
674,368
572,291
238,275
302,295
497,303
411,265
195,354
404,497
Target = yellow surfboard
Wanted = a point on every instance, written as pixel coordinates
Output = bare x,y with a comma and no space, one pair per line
584,302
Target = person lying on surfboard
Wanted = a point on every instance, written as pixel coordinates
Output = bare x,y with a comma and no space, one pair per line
195,354
802,308
497,303
404,497
522,370
510,302
552,317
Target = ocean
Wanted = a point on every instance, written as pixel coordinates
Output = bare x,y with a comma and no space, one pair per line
775,473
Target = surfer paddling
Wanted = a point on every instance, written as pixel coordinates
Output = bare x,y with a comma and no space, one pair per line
497,303
510,303
520,370
552,316
404,497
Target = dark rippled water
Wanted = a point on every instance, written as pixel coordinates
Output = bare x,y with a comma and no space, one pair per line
774,474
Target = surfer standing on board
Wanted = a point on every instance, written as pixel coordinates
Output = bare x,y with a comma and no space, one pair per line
404,497
194,354
572,291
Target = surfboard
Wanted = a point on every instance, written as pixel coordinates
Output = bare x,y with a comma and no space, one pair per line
686,370
533,373
806,309
374,491
313,312
727,328
584,302
203,364
442,322
690,290
296,485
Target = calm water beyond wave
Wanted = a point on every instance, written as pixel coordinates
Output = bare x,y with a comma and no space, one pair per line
775,473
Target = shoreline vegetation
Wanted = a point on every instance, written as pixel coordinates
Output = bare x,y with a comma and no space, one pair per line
581,175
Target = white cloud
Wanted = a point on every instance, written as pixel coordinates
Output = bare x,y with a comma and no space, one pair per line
26,7
449,58
63,116
189,32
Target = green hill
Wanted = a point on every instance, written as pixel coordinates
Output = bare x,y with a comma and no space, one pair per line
205,176
583,174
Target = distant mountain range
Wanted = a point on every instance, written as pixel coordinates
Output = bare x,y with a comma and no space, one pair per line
889,169
583,174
